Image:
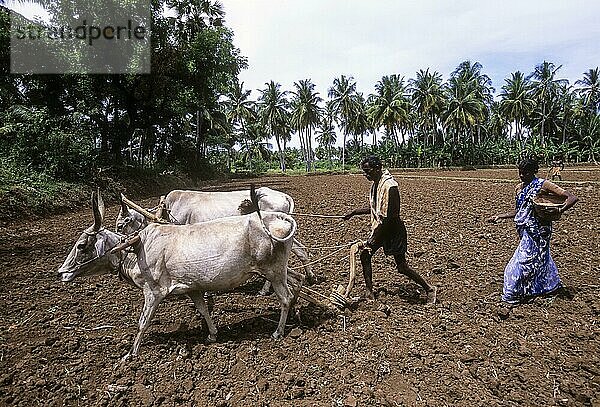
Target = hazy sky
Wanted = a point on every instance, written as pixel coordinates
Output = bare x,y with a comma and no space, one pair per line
287,40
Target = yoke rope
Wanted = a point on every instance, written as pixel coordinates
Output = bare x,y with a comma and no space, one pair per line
325,257
312,215
330,247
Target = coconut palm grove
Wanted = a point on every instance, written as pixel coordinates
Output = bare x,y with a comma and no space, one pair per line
192,115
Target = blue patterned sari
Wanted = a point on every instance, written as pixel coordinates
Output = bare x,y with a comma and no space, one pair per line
531,270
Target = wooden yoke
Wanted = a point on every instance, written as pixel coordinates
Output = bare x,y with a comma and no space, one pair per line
143,211
125,245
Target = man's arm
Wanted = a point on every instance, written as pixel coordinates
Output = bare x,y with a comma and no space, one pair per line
359,211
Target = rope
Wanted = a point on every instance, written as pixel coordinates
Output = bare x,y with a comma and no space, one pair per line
321,259
311,215
330,247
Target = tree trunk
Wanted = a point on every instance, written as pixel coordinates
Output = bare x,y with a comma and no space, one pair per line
281,156
302,148
344,153
542,140
310,150
248,151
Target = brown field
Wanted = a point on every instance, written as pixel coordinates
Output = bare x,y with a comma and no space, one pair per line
61,344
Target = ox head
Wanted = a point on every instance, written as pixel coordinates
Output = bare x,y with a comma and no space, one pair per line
128,220
90,254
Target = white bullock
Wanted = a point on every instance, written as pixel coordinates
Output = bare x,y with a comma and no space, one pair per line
185,207
191,259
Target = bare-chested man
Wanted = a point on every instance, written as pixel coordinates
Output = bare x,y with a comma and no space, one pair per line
387,228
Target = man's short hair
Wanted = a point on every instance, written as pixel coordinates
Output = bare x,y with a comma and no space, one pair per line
373,161
529,164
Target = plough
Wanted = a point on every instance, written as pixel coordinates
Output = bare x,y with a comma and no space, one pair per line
338,299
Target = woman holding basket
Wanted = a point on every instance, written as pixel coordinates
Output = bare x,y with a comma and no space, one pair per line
531,270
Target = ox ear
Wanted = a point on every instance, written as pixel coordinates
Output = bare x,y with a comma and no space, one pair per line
124,207
98,209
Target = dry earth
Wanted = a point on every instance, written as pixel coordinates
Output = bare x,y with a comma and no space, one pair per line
61,344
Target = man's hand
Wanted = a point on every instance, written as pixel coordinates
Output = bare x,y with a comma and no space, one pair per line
494,219
349,215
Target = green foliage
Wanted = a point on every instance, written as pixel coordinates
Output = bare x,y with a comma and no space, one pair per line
35,139
25,191
192,115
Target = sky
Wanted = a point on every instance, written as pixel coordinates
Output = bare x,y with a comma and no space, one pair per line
287,40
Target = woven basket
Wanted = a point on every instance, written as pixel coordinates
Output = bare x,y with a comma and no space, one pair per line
546,206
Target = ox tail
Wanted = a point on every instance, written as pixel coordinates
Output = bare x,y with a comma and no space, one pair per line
254,199
290,203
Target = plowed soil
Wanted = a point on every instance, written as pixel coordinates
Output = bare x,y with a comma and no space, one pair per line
61,343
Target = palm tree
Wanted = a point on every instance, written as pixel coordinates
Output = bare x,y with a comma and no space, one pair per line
306,114
359,123
470,86
325,133
428,100
389,107
274,115
516,102
464,108
256,147
342,95
498,125
240,111
590,90
568,102
544,91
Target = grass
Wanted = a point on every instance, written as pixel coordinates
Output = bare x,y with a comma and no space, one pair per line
26,193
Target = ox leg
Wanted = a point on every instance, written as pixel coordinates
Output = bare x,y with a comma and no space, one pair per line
151,301
265,289
295,282
285,298
200,304
300,251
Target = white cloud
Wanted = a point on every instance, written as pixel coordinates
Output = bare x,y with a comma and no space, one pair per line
289,40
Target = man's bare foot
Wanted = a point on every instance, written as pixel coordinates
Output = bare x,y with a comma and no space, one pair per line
370,296
432,295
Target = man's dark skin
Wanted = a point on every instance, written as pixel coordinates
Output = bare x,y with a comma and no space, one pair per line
374,174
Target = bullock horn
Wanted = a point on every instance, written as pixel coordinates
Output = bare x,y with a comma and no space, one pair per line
254,198
143,211
124,207
98,209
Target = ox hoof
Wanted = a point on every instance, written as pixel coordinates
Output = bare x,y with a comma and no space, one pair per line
277,336
211,339
263,292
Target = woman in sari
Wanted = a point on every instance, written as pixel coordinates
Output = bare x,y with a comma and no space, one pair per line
531,270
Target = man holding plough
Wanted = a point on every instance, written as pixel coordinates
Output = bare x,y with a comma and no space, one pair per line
387,228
